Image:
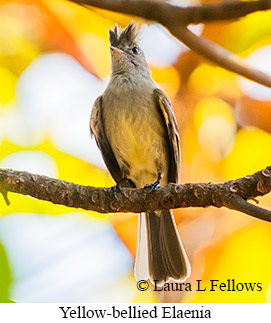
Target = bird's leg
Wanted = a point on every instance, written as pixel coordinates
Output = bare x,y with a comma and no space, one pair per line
155,185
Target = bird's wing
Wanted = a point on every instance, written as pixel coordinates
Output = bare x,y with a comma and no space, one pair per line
97,129
173,135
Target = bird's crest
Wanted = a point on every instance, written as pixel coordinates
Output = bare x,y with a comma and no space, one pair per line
125,37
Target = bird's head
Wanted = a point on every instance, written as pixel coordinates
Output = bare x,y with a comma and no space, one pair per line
126,55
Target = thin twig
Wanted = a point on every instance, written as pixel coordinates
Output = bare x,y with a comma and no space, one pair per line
5,195
230,194
239,204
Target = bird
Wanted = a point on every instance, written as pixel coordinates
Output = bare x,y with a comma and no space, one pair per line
136,131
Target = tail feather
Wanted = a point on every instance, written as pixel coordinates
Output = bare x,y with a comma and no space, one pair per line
175,258
156,262
163,251
142,259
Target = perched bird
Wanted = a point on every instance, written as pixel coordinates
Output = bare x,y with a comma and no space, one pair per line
136,132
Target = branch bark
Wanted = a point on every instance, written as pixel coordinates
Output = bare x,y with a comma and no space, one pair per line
175,18
167,13
232,194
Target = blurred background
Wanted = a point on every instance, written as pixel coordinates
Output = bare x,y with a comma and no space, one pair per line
54,62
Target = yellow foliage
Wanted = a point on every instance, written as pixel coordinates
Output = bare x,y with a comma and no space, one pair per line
167,78
216,125
242,257
250,153
241,35
97,48
17,49
213,106
210,80
7,85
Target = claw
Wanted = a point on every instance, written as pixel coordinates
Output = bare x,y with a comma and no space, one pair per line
155,185
114,190
117,188
125,182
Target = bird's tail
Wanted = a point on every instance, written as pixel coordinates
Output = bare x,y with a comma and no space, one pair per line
160,253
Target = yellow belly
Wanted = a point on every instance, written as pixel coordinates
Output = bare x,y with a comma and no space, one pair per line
140,143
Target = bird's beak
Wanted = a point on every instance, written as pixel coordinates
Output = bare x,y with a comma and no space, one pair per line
115,50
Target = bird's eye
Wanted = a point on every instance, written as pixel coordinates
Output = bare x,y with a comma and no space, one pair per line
135,50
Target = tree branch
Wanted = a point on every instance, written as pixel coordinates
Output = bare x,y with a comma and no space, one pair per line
167,13
232,194
175,18
219,55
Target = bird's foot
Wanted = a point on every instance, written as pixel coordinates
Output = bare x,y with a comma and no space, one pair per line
155,185
114,190
125,182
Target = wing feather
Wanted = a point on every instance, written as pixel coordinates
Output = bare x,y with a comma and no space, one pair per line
97,129
173,135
